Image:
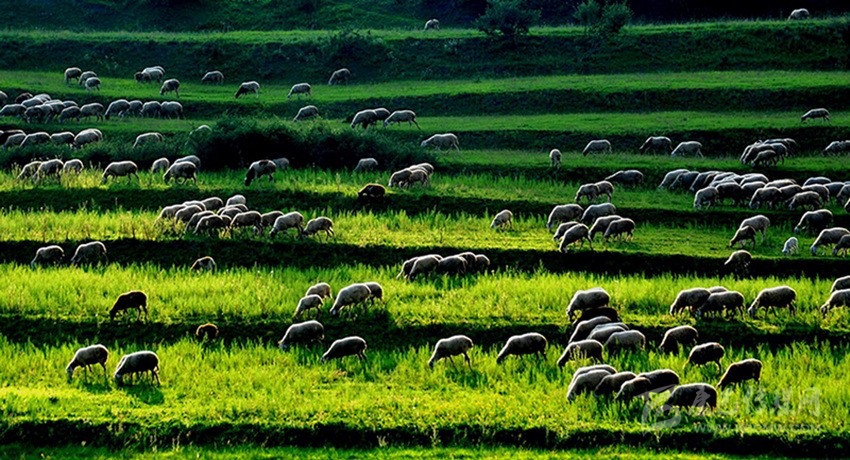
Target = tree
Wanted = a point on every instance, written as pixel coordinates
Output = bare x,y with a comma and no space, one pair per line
605,19
506,18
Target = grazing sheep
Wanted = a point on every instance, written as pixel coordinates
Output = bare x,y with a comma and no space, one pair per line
340,76
258,169
452,346
838,298
170,85
285,222
151,109
247,219
267,219
602,332
188,212
92,83
322,290
36,139
319,224
620,227
432,24
563,213
843,193
525,344
628,177
588,299
597,146
213,77
209,223
147,138
48,255
738,262
837,147
191,159
376,291
423,265
584,328
89,253
206,332
364,118
688,148
586,383
171,109
306,112
12,110
299,89
679,335
401,116
593,367
253,87
596,312
204,264
28,171
88,356
116,108
137,300
685,180
661,143
821,113
766,195
451,265
503,218
661,380
814,221
799,14
775,297
689,299
72,73
349,346
611,384
281,163
578,233
805,200
121,169
828,237
160,165
14,140
309,302
63,138
692,395
820,189
706,197
555,158
366,164
748,369
711,352
759,223
625,340
589,191
372,191
766,157
351,296
49,168
438,141
842,246
596,211
601,224
791,246
720,302
306,332
634,387
69,113
134,363
743,235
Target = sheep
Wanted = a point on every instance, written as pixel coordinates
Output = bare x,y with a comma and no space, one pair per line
583,328
843,193
285,222
828,236
503,219
836,147
685,181
206,332
147,138
601,224
661,380
775,297
24,96
589,191
366,164
36,139
281,163
351,296
741,371
48,255
340,76
170,85
670,177
841,284
319,224
687,148
610,384
596,211
5,134
820,189
92,83
738,262
563,213
596,312
12,110
839,298
766,157
401,116
253,87
742,235
121,169
766,195
152,109
49,168
247,219
88,253
309,302
160,165
692,395
349,346
372,191
588,299
267,219
432,24
525,344
706,197
191,159
758,223
439,141
679,335
134,363
711,352
601,332
306,332
804,200
821,113
586,383
634,387
731,190
799,14
689,299
63,138
555,158
208,222
87,356
188,212
423,265
299,89
657,143
14,140
364,118
72,73
213,77
181,170
482,262
69,113
452,346
309,111
171,108
596,146
577,233
593,367
258,169
728,301
624,340
628,177
137,300
116,107
791,246
842,246
620,227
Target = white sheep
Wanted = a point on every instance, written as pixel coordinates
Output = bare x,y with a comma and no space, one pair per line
285,222
741,371
657,143
821,113
581,349
632,388
586,383
688,148
775,297
841,284
309,111
503,219
611,384
14,140
805,200
619,228
170,85
838,298
299,89
47,169
191,159
322,290
309,302
366,164
171,109
589,191
247,219
138,362
116,107
837,147
596,211
267,219
452,265
842,246
364,118
711,352
160,165
583,328
588,299
692,395
89,253
72,73
349,346
63,138
376,291
258,169
213,76
679,335
432,24
555,158
401,116
729,302
438,141
601,225
209,223
742,235
151,109
350,296
319,224
689,299
48,255
525,344
121,169
603,331
791,246
92,83
339,76
148,138
248,87
452,346
88,356
661,380
69,113
306,332
563,213
577,233
422,265
799,14
759,223
706,197
595,146
212,203
827,237
36,139
765,195
627,177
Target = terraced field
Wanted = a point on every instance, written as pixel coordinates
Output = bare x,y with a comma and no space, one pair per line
241,396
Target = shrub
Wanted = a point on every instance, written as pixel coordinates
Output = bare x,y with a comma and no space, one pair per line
603,18
507,18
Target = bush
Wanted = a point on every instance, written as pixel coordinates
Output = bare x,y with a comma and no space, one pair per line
603,18
507,18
